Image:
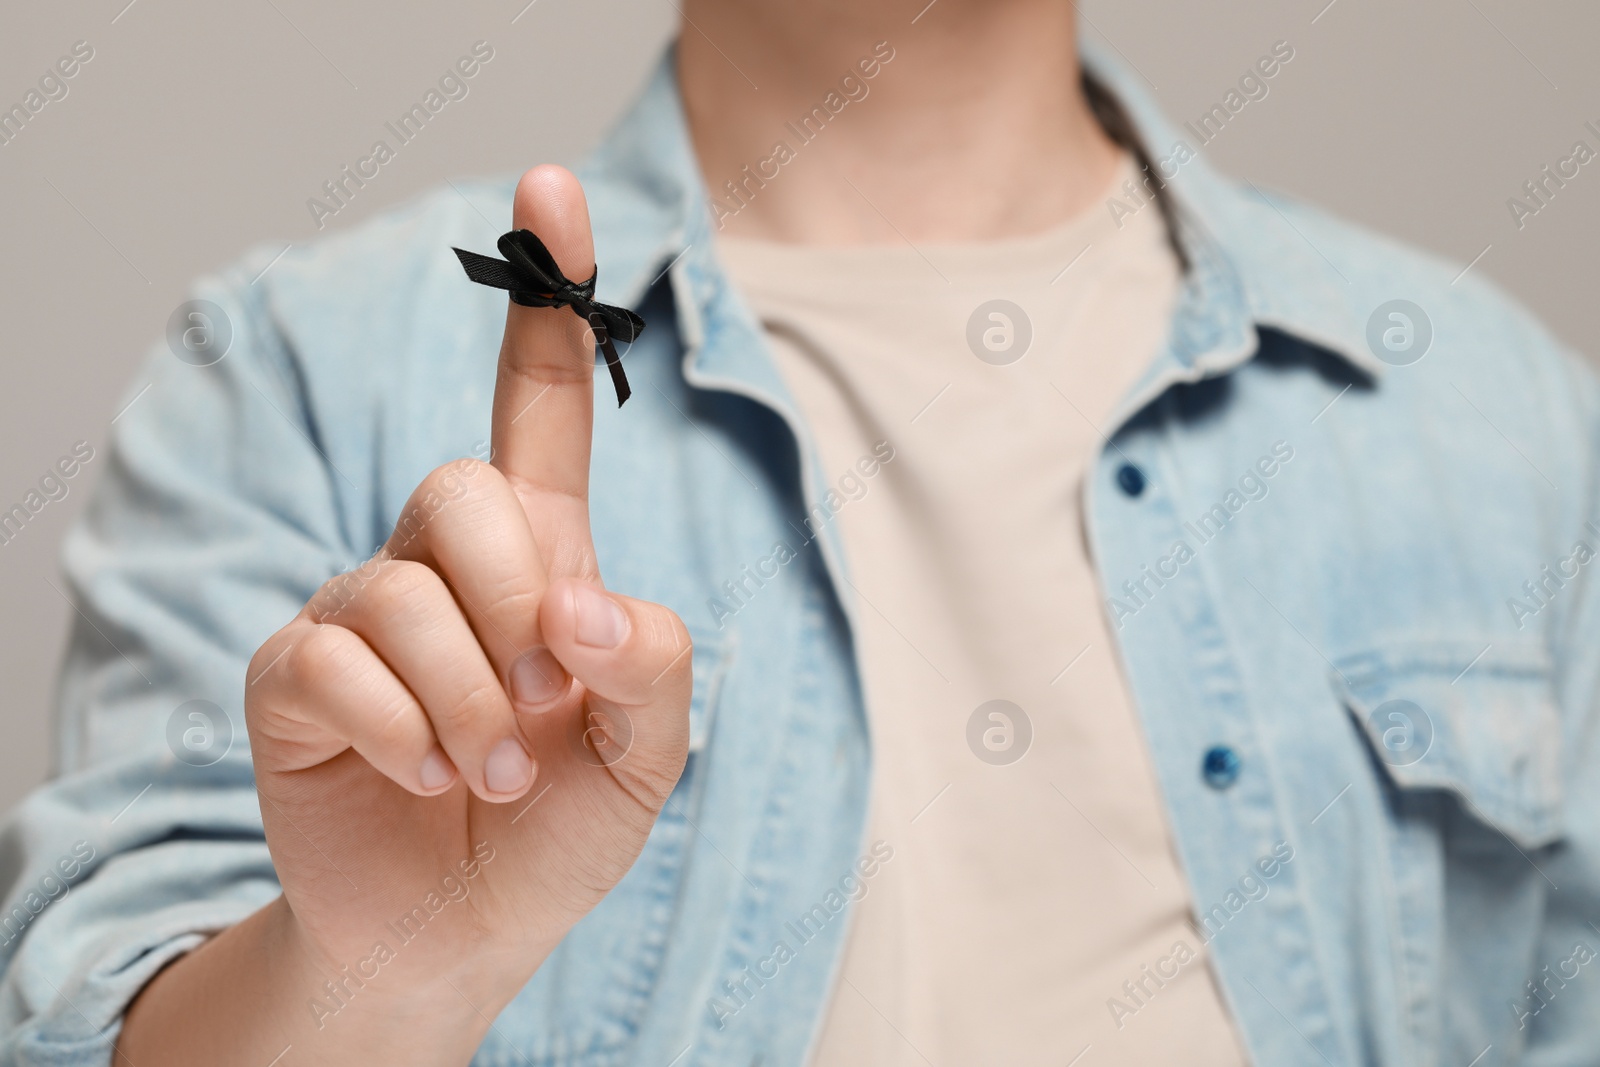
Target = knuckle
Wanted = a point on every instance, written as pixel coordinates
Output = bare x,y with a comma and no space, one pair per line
402,583
444,486
649,777
669,636
260,674
339,592
477,705
393,722
531,369
322,658
472,475
454,479
680,632
515,600
383,584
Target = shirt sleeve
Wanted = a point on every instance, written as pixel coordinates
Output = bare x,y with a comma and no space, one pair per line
1560,1017
216,516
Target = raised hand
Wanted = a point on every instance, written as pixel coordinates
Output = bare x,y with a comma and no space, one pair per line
469,715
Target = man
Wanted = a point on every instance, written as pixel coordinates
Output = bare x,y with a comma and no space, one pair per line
1047,616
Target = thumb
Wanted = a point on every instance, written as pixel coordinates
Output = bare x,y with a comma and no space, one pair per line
635,661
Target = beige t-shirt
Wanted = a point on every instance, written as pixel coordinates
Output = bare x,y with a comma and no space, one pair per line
1031,876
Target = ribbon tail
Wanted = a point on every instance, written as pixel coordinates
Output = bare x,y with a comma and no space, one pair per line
614,364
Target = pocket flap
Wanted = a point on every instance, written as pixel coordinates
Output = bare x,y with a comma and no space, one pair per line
1479,721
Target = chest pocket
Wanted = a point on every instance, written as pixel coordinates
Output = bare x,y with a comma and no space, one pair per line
584,1006
1478,722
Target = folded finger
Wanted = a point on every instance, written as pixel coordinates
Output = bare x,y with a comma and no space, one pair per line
406,613
465,522
328,691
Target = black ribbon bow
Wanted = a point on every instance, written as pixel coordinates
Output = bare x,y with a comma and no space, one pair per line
530,274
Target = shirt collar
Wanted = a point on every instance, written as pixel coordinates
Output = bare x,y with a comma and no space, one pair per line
1251,265
652,222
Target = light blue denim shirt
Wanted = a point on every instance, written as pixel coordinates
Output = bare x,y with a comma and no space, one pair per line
1317,534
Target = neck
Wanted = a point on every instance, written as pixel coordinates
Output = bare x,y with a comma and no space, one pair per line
839,125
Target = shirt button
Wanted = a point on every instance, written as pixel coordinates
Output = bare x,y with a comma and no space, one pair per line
1220,767
1131,479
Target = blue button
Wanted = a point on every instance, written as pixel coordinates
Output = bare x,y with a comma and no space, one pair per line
1131,479
1221,766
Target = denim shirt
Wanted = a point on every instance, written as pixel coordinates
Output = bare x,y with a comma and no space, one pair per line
1352,597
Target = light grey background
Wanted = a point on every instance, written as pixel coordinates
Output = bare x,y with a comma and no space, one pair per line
201,128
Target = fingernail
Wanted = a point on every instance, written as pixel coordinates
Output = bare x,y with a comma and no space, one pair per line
436,770
537,678
601,623
508,768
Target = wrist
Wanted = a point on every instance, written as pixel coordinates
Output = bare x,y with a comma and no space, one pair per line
390,982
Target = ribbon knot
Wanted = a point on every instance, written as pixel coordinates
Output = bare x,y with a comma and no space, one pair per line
529,273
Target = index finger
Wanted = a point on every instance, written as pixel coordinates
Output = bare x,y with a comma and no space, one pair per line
544,391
